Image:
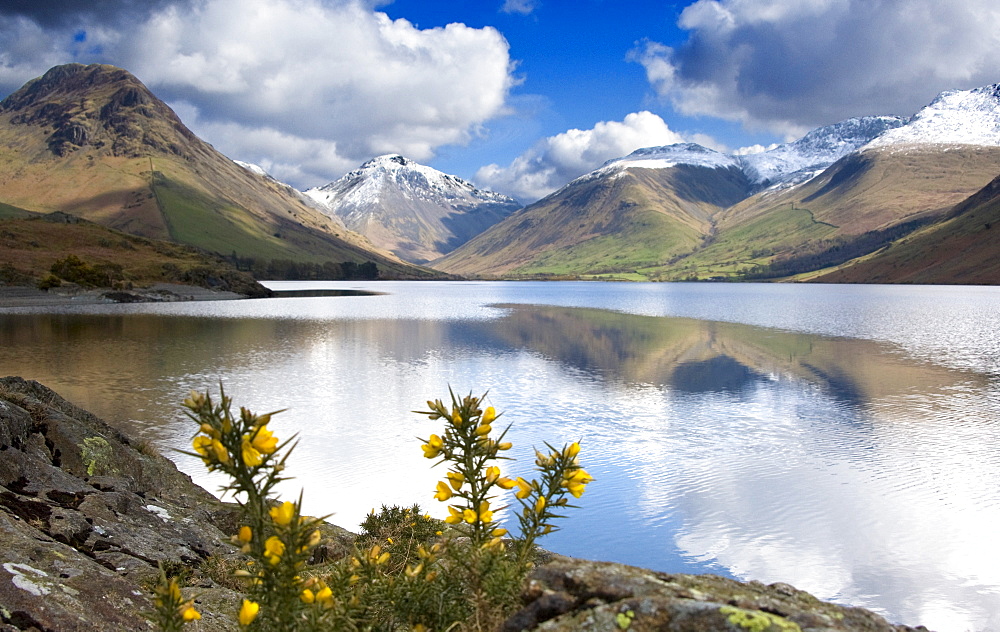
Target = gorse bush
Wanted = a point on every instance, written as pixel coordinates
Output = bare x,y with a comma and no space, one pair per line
408,571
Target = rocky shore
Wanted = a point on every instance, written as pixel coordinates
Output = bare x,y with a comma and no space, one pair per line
23,296
87,514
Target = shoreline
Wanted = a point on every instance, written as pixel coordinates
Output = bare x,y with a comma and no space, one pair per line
13,296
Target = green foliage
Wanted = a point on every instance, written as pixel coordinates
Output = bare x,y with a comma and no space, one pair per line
9,275
408,571
73,269
289,270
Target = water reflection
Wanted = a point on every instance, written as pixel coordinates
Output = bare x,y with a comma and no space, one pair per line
843,466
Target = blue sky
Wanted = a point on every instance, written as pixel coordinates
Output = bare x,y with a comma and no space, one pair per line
516,95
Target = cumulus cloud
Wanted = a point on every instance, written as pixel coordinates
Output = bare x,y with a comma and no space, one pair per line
789,66
554,161
339,81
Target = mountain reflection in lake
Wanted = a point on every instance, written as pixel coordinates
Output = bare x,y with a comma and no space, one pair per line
843,466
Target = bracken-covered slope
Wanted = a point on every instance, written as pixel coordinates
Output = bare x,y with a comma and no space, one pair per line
963,248
415,212
94,142
107,258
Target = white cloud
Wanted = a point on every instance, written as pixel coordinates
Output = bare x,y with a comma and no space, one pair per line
337,80
524,7
788,66
554,161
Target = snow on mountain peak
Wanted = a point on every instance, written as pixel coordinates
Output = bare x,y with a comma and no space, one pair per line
671,156
815,151
965,117
366,184
788,163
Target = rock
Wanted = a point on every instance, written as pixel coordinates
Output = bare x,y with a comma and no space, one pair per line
571,595
86,516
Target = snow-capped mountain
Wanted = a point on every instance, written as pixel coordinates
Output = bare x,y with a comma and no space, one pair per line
786,164
414,211
966,117
671,156
686,211
800,160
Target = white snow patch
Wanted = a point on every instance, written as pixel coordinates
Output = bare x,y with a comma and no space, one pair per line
253,168
956,117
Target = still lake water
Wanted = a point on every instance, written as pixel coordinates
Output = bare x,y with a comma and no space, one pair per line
844,439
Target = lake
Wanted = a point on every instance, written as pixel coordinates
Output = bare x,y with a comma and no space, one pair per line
843,439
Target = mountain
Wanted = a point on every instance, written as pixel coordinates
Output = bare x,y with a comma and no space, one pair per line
845,189
94,142
633,213
413,211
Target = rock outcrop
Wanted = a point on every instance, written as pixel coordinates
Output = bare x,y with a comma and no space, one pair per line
87,515
570,595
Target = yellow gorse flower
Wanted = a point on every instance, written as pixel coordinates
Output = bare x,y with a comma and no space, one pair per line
433,446
492,474
283,514
443,491
210,449
523,488
488,416
245,534
576,482
456,479
264,441
248,612
485,515
188,613
251,455
325,596
274,548
454,517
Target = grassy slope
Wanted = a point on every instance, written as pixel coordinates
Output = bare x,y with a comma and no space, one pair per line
32,245
960,249
743,246
862,193
13,212
623,225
